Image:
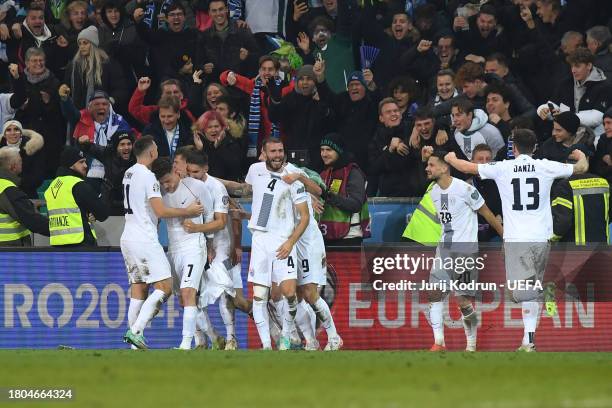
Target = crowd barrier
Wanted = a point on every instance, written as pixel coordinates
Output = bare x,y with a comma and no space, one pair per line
80,299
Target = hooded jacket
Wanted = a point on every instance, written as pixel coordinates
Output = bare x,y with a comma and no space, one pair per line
589,99
33,167
480,131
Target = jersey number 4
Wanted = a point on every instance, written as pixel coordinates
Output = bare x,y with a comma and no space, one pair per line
271,184
534,194
126,199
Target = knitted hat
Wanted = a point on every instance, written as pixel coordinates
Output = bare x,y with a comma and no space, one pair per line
305,71
357,76
99,94
90,34
608,114
11,123
333,140
70,155
568,121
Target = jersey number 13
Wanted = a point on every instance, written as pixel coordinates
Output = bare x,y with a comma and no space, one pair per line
534,194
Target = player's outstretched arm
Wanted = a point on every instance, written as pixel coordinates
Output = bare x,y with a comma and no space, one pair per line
491,219
463,166
210,227
582,163
161,211
285,249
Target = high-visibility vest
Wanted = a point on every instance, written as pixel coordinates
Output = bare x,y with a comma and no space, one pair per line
424,226
65,221
10,229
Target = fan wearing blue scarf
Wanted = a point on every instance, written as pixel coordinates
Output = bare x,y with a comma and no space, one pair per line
259,123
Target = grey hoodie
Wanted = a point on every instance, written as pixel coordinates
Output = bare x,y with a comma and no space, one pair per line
480,131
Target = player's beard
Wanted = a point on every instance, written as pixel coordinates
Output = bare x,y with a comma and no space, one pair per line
275,165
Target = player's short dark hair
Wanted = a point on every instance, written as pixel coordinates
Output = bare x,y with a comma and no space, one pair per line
524,140
423,113
161,167
197,157
463,105
270,140
482,147
439,154
274,60
142,145
581,56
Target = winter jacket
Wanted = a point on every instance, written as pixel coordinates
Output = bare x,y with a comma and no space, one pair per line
84,124
45,118
142,112
226,160
224,51
305,121
472,42
33,160
156,130
480,131
599,167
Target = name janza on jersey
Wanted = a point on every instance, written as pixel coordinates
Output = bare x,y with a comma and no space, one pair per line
524,168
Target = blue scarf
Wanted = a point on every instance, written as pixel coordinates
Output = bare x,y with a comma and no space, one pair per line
255,115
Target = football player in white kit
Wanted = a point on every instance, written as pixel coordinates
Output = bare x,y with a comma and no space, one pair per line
312,267
186,252
275,234
222,278
456,203
145,260
524,187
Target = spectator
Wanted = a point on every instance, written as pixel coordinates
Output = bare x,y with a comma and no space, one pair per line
42,112
34,32
598,41
346,218
356,111
567,135
10,102
445,86
226,45
260,126
30,145
116,157
406,93
143,113
498,108
169,128
236,125
588,94
334,48
262,17
120,40
98,122
488,188
305,113
173,49
16,211
91,69
424,60
203,99
225,153
602,162
472,128
73,21
497,64
388,154
478,36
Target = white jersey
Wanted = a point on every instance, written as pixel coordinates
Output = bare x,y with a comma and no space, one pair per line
524,187
456,207
220,198
139,186
313,228
188,191
273,200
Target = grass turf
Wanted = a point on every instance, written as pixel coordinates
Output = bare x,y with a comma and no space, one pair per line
115,378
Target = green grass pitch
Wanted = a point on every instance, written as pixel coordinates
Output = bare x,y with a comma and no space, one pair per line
160,378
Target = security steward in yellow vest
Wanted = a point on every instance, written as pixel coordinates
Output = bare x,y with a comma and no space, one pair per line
581,209
424,226
18,217
70,202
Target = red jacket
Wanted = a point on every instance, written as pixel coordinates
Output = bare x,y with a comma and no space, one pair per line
86,126
142,113
246,85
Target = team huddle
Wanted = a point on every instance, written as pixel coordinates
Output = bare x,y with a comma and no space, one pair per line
203,263
524,186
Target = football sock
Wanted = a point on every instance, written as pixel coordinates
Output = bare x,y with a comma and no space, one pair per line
189,325
227,314
148,310
322,311
437,321
260,310
530,320
289,316
302,318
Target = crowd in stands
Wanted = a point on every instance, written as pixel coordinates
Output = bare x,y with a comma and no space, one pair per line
390,77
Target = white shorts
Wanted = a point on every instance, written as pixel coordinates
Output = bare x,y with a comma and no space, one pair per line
187,267
312,264
525,260
236,273
216,281
145,262
448,268
264,267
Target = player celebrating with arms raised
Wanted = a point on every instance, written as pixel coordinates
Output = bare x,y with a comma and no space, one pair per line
145,260
275,233
524,187
456,203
